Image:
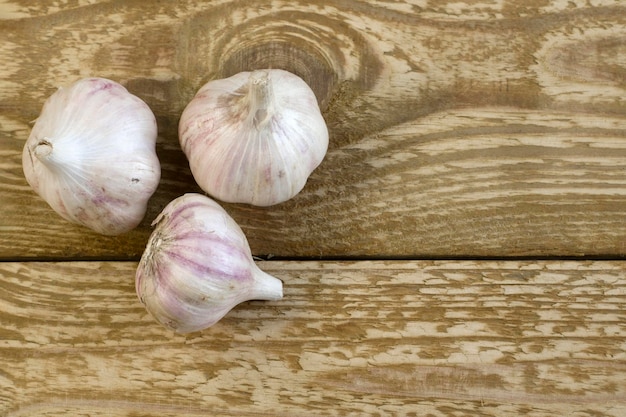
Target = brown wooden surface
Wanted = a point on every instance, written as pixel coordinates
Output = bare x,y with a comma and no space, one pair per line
349,338
458,129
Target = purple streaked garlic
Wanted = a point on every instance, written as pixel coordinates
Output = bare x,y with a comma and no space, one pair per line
254,137
197,266
91,155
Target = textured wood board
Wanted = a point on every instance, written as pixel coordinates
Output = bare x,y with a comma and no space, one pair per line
349,338
457,128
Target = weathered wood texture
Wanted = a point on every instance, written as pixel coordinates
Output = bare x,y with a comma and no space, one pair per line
349,338
457,128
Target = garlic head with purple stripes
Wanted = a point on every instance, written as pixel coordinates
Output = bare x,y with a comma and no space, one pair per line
197,266
253,138
91,155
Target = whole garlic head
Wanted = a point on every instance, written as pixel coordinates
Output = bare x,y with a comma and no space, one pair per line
197,266
254,137
91,155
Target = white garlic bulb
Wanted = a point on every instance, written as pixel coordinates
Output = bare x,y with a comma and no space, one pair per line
254,137
91,155
197,266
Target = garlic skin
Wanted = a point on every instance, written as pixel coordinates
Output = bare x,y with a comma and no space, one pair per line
197,266
254,137
91,155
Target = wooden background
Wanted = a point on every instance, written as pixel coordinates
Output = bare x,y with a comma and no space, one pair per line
458,252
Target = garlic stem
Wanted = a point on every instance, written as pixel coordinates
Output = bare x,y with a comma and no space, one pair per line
43,149
266,287
261,98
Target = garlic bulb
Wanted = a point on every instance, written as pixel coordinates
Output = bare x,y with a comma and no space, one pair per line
197,266
254,137
91,155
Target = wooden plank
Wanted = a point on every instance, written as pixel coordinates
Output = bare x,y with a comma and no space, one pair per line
349,338
457,129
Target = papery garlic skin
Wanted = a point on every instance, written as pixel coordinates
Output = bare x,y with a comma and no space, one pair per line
91,155
197,266
254,137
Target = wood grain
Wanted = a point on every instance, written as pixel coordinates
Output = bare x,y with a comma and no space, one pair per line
349,338
486,129
457,128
